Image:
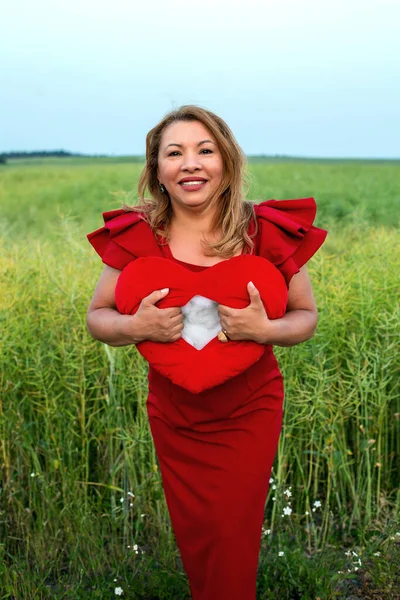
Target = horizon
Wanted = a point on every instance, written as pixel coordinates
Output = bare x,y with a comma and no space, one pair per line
61,154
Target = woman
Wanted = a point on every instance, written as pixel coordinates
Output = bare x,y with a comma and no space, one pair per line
215,448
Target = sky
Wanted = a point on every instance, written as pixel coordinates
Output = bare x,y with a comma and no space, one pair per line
312,78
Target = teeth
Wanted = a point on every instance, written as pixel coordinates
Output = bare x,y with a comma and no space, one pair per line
192,182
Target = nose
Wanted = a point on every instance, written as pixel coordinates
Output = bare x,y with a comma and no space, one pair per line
191,162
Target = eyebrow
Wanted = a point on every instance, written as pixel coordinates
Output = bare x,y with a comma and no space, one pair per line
199,144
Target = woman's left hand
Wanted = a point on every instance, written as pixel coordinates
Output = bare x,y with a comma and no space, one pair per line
248,323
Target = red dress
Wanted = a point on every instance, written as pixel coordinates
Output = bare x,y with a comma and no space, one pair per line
216,448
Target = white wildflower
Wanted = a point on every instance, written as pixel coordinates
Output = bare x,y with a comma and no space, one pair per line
377,553
307,513
130,494
288,493
121,499
281,553
287,510
274,487
118,591
317,503
271,480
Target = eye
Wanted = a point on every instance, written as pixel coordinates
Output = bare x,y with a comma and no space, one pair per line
175,152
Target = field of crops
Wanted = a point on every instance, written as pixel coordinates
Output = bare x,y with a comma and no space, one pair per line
82,510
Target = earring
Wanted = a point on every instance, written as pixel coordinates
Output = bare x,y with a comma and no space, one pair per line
162,188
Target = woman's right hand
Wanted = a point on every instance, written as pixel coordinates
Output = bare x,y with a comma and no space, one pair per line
106,324
158,324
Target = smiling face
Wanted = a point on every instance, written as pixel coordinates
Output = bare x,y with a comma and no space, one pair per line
190,165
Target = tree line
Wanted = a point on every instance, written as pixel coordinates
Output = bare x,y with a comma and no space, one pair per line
4,156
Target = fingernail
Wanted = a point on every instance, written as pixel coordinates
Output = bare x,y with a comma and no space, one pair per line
164,290
251,284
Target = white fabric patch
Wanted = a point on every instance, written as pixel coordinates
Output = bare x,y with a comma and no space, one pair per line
200,321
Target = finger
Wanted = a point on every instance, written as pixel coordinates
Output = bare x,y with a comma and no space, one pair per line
176,320
177,328
176,337
176,332
224,323
225,311
224,327
254,294
172,311
222,310
155,297
170,325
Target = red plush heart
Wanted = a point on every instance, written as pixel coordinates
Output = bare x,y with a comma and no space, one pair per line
225,283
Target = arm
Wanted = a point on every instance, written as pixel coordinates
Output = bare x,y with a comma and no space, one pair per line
252,323
106,324
301,318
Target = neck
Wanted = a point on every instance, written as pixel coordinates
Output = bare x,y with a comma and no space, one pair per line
191,221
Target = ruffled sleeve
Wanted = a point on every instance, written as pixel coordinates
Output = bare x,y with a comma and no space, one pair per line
286,235
124,237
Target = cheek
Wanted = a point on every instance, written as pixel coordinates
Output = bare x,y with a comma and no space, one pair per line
166,171
219,169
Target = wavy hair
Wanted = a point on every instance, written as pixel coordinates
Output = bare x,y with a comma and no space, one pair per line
233,214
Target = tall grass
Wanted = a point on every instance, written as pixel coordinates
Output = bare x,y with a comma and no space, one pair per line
73,426
343,391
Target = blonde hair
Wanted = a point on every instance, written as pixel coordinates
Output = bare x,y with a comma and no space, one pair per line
233,214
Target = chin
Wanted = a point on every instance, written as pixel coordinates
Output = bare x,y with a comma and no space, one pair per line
193,202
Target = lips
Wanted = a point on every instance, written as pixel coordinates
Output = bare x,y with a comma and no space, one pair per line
189,179
193,187
192,184
224,283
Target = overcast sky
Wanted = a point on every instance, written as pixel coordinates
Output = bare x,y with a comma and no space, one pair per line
305,77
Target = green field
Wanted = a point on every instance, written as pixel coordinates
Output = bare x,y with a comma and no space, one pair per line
81,500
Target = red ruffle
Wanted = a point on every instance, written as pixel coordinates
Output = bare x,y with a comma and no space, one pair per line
117,244
286,234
